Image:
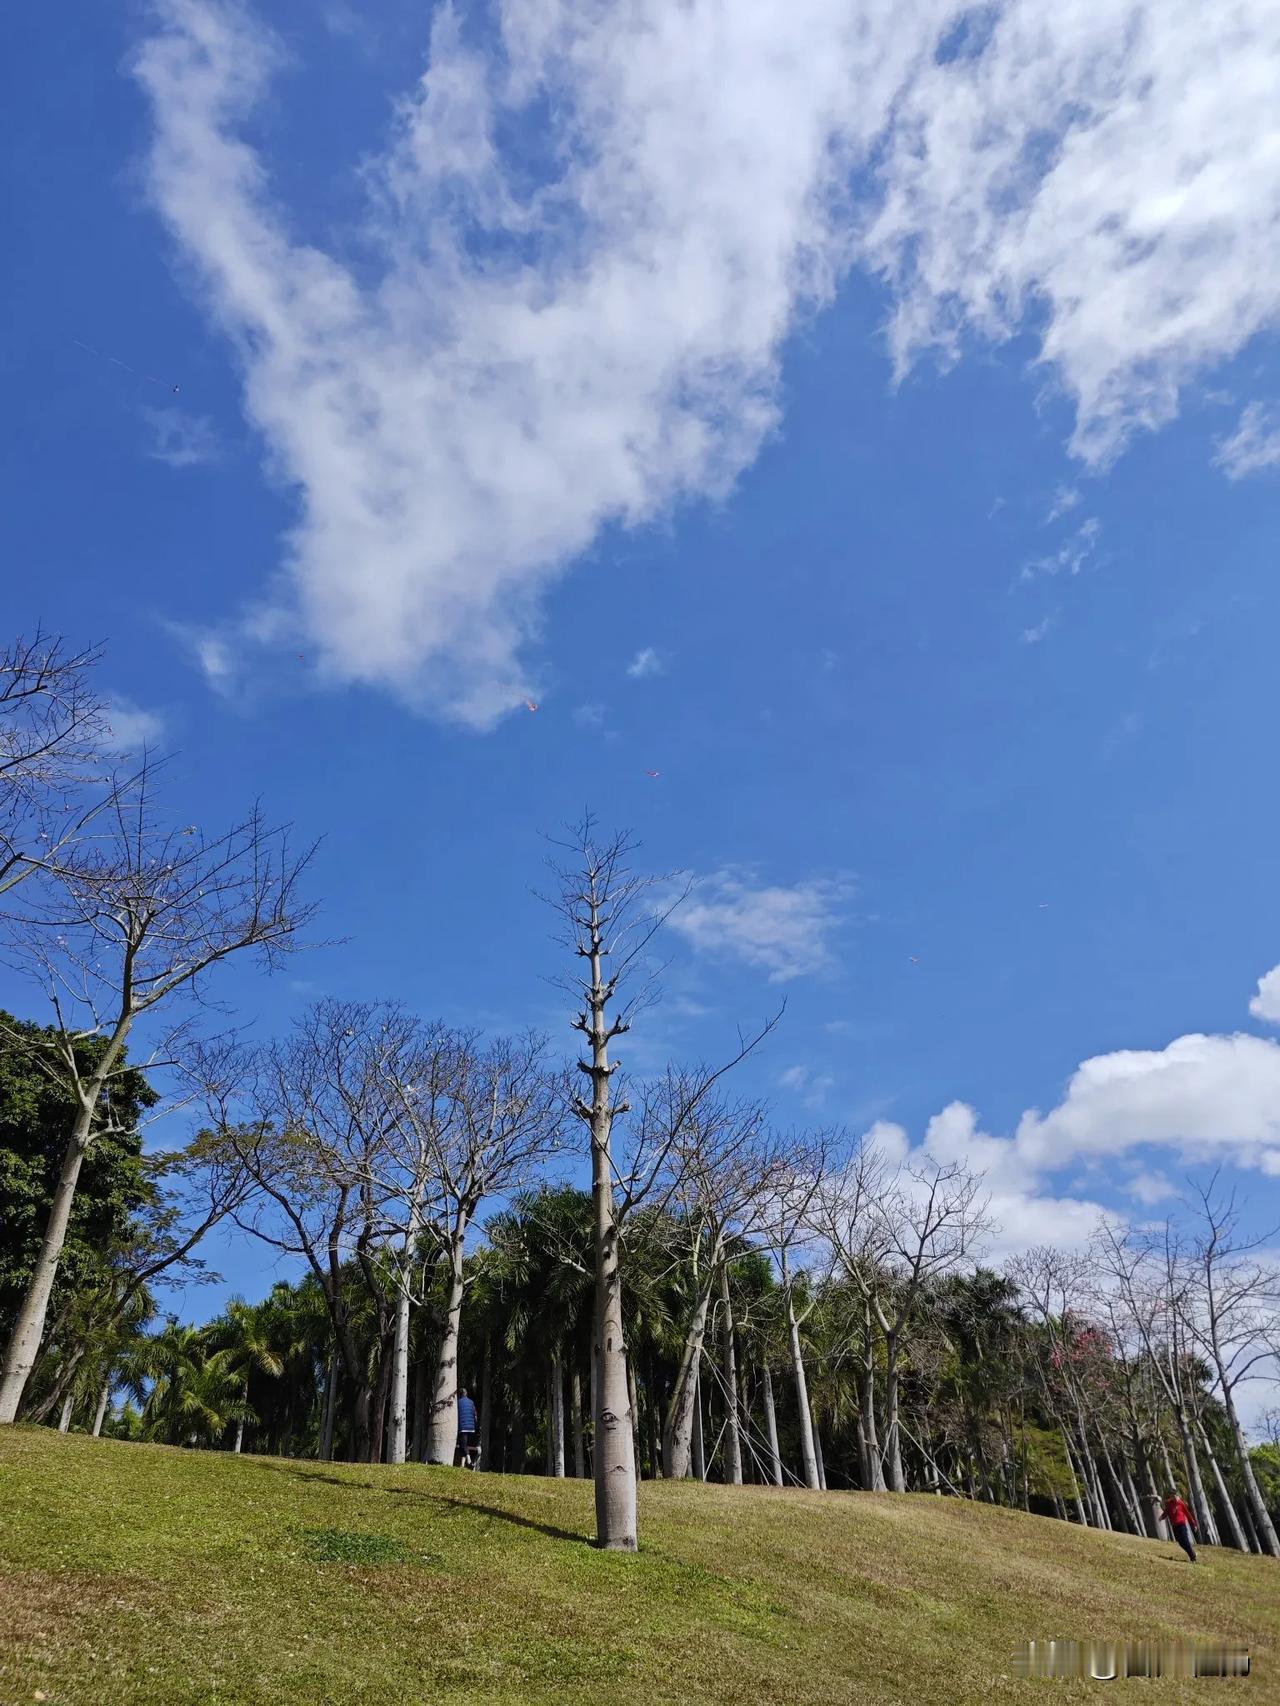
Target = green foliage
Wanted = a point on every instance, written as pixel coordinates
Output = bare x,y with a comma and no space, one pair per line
36,1115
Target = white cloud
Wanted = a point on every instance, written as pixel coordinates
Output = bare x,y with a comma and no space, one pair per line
1201,1096
516,365
130,728
645,663
1064,499
180,439
1033,636
589,716
1253,446
1266,1003
1070,557
785,931
1148,1187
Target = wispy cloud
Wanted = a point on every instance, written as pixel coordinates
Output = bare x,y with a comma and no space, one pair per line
1033,636
130,727
1254,446
812,1088
1070,557
589,716
180,439
517,364
1066,498
645,663
786,931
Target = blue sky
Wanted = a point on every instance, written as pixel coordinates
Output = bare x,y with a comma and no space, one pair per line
926,549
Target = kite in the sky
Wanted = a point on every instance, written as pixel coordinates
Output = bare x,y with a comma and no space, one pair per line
531,704
653,772
915,959
137,372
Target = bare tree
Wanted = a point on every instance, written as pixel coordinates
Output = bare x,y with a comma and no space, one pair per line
507,1117
313,1127
1232,1317
608,923
128,924
787,1225
53,727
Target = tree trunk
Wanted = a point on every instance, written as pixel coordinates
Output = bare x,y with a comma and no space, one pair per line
733,1440
808,1457
771,1429
382,1392
1225,1500
442,1425
698,1452
330,1408
655,1421
556,1417
100,1414
239,1440
28,1326
1195,1482
892,1440
1263,1527
575,1424
68,1407
677,1433
817,1452
868,1439
634,1396
398,1443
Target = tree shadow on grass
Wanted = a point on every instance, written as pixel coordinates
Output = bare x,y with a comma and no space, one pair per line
495,1511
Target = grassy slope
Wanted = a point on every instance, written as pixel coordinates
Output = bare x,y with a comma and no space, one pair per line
141,1574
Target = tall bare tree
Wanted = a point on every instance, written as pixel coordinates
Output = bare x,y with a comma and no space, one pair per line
128,925
1232,1317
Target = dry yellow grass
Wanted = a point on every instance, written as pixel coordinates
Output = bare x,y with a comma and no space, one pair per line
169,1578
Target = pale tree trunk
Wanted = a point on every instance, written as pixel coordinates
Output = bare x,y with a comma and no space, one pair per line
699,1452
655,1421
808,1458
817,1452
397,1445
677,1433
1195,1481
28,1326
892,1439
442,1426
68,1407
733,1441
1263,1527
1225,1501
556,1418
239,1441
330,1409
575,1424
868,1438
100,1414
771,1429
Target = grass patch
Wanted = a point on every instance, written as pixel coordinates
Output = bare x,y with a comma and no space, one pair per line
143,1576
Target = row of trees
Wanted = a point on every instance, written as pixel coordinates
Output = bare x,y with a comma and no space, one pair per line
727,1299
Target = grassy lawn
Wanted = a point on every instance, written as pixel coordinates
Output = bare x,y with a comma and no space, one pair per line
141,1574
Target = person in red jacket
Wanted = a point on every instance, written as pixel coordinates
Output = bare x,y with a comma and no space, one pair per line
1182,1521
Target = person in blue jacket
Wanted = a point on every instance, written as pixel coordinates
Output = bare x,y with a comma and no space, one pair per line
468,1437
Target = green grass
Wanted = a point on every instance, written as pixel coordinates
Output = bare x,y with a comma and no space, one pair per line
168,1578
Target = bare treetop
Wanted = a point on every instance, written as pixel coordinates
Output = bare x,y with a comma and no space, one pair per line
52,728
